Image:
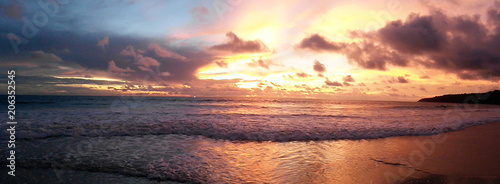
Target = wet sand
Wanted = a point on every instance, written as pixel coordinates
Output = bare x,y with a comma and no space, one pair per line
471,155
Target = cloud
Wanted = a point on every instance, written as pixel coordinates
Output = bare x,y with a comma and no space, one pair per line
330,83
44,57
416,35
164,53
83,44
366,54
370,55
494,14
463,44
401,79
165,74
262,63
143,62
237,45
425,77
302,75
348,78
222,64
103,43
129,51
199,13
180,71
319,43
48,66
146,61
319,67
117,70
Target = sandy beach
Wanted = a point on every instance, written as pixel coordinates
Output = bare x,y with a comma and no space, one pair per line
464,156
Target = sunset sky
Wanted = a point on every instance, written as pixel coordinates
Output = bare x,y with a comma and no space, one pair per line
344,49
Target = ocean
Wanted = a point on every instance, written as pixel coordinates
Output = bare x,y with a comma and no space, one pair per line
220,140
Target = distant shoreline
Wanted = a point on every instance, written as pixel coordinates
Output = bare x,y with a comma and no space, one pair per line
491,97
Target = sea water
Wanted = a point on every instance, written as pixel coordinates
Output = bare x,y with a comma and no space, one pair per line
210,140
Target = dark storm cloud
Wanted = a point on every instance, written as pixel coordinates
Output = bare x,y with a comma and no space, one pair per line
319,67
417,34
165,69
70,47
372,56
472,52
463,45
238,45
317,42
80,49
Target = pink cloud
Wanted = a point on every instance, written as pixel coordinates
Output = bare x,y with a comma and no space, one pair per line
146,61
129,51
165,74
143,68
164,53
140,60
117,70
103,43
199,13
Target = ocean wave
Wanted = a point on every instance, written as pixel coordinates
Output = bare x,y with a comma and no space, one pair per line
250,128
